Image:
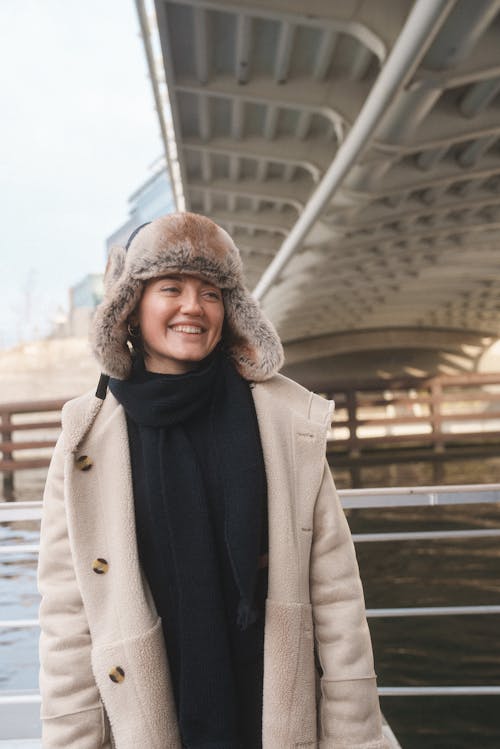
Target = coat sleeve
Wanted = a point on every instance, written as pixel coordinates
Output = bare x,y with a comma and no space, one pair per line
348,709
72,712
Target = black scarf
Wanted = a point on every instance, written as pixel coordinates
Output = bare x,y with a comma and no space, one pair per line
200,495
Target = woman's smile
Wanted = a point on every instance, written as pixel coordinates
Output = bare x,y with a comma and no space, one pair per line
187,329
180,319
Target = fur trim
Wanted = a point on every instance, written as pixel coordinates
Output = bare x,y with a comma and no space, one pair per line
183,243
256,349
114,266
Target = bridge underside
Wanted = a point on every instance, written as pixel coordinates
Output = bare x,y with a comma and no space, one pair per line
361,356
399,266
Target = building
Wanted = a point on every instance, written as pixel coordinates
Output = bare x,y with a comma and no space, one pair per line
83,299
152,199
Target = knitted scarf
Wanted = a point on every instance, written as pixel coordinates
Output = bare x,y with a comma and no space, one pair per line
199,490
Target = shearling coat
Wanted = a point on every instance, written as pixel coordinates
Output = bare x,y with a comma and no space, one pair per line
104,673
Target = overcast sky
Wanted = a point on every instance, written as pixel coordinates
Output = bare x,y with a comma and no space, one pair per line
78,135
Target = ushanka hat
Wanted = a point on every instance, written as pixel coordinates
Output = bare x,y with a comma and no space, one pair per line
183,243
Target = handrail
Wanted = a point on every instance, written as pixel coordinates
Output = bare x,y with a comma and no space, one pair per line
433,611
370,613
19,623
420,496
13,512
356,537
20,697
32,696
20,549
420,535
376,497
437,691
351,498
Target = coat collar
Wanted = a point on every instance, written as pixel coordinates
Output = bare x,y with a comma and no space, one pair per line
311,415
77,417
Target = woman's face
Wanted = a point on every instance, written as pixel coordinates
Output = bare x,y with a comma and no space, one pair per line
180,319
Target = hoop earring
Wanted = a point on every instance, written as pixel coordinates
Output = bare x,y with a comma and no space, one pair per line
133,331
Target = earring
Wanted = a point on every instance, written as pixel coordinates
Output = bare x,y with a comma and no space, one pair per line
133,331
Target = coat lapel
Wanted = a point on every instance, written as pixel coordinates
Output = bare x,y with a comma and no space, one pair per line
293,432
101,511
293,448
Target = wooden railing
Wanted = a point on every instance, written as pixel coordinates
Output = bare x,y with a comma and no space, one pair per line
18,422
402,420
430,419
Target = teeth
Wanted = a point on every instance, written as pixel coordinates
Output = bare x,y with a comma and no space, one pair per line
186,329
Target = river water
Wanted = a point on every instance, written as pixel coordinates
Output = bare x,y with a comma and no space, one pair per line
428,650
435,651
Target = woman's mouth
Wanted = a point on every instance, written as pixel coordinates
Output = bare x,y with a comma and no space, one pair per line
190,329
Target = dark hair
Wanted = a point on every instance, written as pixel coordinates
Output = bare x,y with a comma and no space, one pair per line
136,342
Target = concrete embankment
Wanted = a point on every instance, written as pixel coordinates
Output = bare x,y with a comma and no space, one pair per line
40,370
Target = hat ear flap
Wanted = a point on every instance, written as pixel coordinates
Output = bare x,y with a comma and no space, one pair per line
114,266
253,344
109,332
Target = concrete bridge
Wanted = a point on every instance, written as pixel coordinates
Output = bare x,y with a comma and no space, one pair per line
353,151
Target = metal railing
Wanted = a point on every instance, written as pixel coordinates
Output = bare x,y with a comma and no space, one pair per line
430,496
351,499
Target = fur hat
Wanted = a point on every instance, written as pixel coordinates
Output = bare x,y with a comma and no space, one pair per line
183,243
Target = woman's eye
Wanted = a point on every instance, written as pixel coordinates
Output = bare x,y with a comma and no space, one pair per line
213,294
169,288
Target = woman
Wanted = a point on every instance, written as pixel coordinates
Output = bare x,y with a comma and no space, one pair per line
199,584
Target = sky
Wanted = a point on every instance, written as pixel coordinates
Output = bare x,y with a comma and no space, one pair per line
78,135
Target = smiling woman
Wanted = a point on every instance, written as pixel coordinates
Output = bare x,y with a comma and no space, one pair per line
227,610
179,321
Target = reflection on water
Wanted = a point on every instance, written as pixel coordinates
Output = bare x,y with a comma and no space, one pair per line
19,597
439,651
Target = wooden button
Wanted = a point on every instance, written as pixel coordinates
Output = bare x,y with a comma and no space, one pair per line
84,463
117,674
100,566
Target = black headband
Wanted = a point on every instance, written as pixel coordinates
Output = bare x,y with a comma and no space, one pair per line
134,233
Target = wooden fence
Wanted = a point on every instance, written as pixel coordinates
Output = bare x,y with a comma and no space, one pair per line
406,420
27,427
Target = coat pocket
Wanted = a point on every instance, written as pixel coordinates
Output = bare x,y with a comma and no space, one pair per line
79,730
134,681
289,712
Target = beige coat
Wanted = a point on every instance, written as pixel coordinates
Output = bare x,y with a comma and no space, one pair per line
104,671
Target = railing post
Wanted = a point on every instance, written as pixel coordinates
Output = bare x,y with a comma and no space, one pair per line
8,476
436,389
352,417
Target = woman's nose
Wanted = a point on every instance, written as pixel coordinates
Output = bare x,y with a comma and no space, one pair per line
190,302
